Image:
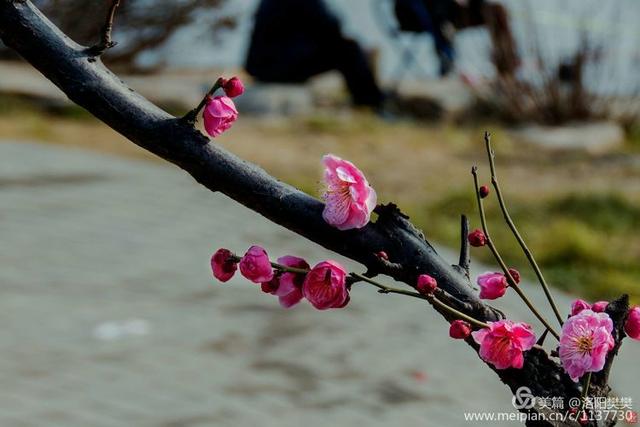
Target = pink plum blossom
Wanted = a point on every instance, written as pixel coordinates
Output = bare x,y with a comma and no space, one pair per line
502,344
584,343
223,265
632,325
349,199
233,87
492,285
325,286
219,114
459,329
255,265
287,286
426,284
578,305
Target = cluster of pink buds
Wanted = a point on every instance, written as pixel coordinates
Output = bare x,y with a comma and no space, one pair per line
220,112
579,305
290,279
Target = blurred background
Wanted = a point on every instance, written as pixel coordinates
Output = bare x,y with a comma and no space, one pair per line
112,315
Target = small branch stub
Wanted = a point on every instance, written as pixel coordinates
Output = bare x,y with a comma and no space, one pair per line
105,36
464,260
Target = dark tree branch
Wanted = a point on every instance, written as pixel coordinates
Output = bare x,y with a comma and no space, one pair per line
105,36
86,81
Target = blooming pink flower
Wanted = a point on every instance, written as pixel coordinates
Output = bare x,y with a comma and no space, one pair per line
578,305
492,285
632,325
233,87
255,265
222,265
477,238
599,306
289,289
349,199
502,344
426,284
584,343
459,329
325,286
219,114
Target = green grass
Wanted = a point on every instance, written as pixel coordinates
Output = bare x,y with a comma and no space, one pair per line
585,244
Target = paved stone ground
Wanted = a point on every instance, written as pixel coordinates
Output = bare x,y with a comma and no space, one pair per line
110,316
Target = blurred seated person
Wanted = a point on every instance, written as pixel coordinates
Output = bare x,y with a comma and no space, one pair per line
441,18
294,40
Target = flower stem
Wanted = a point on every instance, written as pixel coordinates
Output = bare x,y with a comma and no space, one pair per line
514,230
383,289
289,269
192,115
236,258
496,254
587,383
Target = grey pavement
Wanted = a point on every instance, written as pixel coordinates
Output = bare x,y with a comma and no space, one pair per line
111,318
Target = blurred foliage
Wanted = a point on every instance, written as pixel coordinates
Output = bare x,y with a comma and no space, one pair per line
585,243
140,25
21,104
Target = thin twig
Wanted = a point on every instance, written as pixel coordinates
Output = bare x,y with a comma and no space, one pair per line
105,38
384,289
514,230
284,268
192,115
496,254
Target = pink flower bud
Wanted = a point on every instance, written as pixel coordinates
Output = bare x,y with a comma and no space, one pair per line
484,191
426,284
219,114
599,306
233,87
349,199
459,329
382,255
584,419
477,238
515,274
289,291
325,286
255,265
271,286
222,265
632,325
578,305
492,285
